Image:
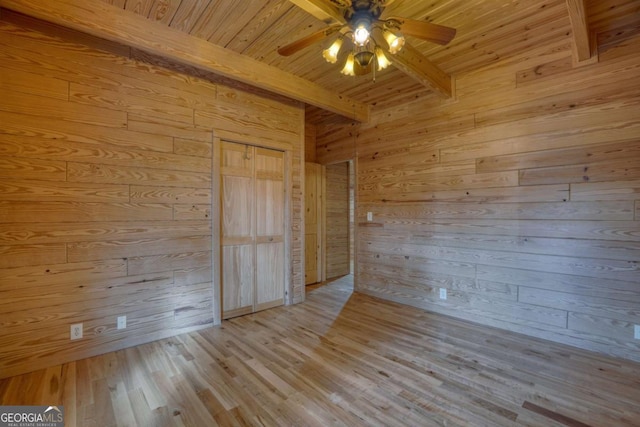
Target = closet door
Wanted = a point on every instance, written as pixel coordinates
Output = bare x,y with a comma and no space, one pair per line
237,229
252,229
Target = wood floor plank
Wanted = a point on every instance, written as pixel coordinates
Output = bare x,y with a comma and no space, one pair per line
340,359
553,415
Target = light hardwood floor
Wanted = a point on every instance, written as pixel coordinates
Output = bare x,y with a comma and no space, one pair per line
340,359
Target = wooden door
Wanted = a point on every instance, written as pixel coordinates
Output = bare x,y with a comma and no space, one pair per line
252,228
313,203
338,258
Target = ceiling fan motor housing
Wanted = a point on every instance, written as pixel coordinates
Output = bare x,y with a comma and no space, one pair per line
363,9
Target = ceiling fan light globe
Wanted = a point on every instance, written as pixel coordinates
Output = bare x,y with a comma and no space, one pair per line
331,53
348,69
395,41
361,36
381,59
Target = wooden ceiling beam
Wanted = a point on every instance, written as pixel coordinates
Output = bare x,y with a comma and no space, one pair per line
111,23
322,10
414,64
580,29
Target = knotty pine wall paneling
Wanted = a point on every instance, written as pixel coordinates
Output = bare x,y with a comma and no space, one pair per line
520,197
309,143
106,195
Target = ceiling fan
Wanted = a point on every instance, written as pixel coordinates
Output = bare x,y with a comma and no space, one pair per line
362,24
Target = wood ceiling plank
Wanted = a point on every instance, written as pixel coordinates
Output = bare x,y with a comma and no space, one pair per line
164,10
118,3
262,23
606,15
580,27
188,14
216,12
265,48
529,27
236,20
321,10
141,7
105,21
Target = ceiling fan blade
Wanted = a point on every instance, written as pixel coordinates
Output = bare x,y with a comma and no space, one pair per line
306,41
426,30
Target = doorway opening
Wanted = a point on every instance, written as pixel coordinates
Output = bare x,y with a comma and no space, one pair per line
329,221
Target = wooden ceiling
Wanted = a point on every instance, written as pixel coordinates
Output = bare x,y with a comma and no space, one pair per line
487,31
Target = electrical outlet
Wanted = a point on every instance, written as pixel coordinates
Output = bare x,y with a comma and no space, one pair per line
636,332
369,216
76,331
122,322
443,293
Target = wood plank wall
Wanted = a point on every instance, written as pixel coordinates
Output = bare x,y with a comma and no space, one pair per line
106,192
309,143
521,198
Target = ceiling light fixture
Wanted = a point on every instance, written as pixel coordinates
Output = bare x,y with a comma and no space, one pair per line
367,53
365,48
372,41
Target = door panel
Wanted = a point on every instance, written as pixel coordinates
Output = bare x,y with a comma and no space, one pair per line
270,207
270,275
269,164
236,159
237,207
238,280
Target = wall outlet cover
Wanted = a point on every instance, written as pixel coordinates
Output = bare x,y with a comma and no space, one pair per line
122,322
443,293
76,331
636,332
369,216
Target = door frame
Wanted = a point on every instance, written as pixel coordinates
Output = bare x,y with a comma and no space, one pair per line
216,217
